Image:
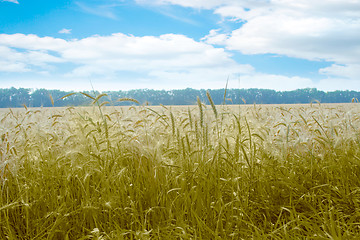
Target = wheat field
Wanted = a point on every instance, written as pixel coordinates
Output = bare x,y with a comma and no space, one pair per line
190,172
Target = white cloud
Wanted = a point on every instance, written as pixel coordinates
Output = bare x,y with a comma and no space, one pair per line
203,77
168,59
65,31
33,42
120,52
308,38
338,83
6,66
276,82
306,29
350,71
13,1
215,37
314,30
162,62
14,61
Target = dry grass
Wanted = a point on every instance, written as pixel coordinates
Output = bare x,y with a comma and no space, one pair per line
198,172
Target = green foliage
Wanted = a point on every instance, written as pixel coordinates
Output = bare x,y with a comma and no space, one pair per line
46,98
197,172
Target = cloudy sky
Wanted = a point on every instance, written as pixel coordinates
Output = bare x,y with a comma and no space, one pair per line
175,44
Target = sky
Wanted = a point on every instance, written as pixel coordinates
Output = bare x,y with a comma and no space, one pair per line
110,45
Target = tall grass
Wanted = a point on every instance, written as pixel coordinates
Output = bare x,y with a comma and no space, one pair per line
202,172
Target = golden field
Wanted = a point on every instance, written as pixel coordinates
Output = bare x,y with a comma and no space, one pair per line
181,172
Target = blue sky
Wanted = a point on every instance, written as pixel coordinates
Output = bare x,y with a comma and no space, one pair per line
175,44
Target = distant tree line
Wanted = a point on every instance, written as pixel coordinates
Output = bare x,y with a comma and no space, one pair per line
13,97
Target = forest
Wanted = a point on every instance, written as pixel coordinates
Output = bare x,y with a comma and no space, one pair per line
18,97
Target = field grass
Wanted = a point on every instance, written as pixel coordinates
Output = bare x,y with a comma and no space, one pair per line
197,172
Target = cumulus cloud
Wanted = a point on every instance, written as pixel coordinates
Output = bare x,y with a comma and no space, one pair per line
6,66
168,58
326,30
306,29
123,52
276,82
33,42
65,31
309,38
313,30
350,71
215,37
17,61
